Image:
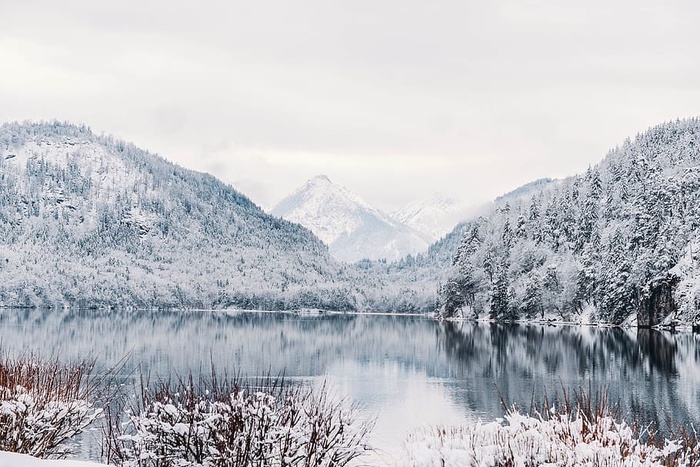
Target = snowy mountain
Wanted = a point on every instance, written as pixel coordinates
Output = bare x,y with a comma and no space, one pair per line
87,219
352,229
616,244
436,216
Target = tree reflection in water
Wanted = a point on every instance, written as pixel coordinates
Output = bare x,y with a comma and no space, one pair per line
652,374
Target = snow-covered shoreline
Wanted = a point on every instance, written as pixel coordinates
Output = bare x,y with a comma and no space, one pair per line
552,322
11,459
568,437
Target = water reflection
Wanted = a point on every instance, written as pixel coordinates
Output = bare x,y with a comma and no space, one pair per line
653,375
659,351
407,370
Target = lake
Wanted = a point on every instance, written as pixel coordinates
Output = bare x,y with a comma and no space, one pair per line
407,371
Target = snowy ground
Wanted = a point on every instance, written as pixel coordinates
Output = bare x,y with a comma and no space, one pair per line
9,459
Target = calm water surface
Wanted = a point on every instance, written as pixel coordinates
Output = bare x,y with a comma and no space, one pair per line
406,371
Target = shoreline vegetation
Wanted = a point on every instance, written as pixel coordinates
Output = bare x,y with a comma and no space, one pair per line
577,428
223,421
44,403
210,421
672,326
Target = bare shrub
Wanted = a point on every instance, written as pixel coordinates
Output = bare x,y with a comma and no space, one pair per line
688,438
215,423
44,404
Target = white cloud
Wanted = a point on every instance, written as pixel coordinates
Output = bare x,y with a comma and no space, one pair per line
393,99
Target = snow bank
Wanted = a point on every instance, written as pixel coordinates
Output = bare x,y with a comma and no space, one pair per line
11,459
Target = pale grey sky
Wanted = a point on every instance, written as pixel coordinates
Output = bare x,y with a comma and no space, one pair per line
394,99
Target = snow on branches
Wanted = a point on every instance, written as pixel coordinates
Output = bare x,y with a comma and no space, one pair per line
44,405
275,427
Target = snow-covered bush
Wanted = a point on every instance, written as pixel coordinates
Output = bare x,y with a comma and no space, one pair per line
43,405
199,426
572,436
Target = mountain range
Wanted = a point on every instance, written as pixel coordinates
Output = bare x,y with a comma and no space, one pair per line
354,230
90,220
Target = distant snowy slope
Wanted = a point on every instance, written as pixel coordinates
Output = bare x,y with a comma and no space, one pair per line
351,228
436,216
524,191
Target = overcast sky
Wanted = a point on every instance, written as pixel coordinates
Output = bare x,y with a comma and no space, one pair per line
394,99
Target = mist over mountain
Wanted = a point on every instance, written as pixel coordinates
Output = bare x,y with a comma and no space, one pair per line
435,216
617,243
352,229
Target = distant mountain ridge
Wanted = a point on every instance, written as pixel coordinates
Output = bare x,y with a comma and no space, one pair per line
352,229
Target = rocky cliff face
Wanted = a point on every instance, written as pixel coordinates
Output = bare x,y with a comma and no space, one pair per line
660,304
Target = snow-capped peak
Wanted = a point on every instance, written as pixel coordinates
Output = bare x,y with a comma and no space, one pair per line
319,180
321,187
351,227
328,210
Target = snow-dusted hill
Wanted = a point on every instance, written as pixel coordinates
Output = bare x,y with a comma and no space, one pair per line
351,228
88,220
93,220
615,244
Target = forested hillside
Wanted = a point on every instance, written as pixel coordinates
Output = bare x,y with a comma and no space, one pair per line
617,243
419,276
90,220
